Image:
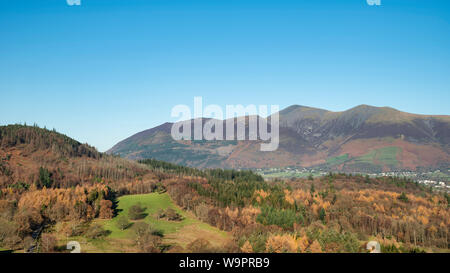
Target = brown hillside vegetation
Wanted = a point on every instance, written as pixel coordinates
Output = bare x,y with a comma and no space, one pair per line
311,137
331,214
67,184
25,151
411,155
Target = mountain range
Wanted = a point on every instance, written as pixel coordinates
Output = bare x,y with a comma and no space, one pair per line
361,139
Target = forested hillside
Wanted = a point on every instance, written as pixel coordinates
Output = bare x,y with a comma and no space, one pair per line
53,188
335,213
32,156
46,178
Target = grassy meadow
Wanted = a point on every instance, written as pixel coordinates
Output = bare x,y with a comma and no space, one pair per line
175,232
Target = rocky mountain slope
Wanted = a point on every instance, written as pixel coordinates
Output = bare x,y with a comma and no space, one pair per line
364,138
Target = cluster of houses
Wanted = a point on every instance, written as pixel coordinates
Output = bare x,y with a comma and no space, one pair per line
435,184
438,185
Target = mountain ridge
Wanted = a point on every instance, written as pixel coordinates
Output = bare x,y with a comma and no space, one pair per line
372,138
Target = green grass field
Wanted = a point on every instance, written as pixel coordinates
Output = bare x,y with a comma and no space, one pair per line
337,160
385,156
388,155
152,203
175,232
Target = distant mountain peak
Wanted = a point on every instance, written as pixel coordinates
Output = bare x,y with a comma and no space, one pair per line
363,138
297,107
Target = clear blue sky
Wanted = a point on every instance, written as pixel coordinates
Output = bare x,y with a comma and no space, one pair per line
105,70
